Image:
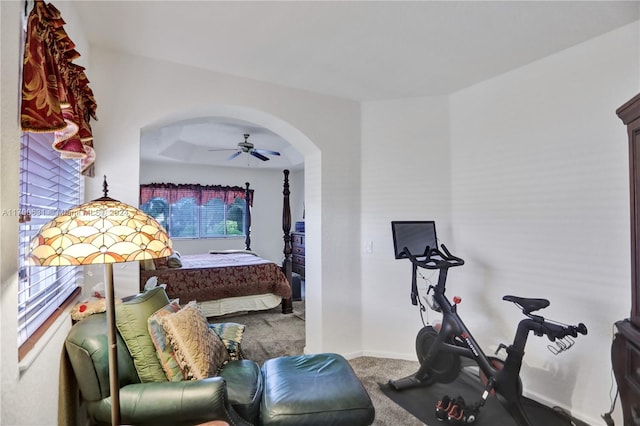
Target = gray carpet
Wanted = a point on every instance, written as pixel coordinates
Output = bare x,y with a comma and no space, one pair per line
270,334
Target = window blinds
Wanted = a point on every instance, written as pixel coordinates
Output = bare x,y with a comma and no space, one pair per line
48,186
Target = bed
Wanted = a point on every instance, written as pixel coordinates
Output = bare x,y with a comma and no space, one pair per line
228,281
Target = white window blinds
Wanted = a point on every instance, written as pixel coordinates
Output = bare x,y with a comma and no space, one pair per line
48,186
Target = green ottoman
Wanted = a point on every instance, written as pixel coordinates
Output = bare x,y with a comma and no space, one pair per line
319,389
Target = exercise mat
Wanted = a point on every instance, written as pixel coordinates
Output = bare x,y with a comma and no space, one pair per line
421,403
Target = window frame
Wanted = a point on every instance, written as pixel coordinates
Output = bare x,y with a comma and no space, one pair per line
49,185
199,213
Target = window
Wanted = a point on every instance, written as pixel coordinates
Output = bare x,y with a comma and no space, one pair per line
196,211
218,219
48,185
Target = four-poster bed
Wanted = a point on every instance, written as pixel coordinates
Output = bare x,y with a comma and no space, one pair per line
226,281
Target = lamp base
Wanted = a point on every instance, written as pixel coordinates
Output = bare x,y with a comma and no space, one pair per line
114,383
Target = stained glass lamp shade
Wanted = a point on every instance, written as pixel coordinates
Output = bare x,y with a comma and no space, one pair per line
102,231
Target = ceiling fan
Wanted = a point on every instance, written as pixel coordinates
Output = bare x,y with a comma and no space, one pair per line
248,148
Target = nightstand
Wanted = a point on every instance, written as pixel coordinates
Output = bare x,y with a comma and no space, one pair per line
297,255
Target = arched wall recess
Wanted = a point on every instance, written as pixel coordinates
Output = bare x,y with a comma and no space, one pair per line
312,193
297,139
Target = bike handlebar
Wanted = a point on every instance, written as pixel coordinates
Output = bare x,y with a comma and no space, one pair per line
552,330
564,331
435,259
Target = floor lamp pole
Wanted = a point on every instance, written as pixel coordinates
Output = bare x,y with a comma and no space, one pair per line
114,384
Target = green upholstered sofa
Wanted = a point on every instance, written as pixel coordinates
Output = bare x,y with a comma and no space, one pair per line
233,395
319,389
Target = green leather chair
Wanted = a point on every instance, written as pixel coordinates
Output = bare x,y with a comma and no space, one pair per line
318,389
234,396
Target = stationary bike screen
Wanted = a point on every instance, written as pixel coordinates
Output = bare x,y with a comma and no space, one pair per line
414,235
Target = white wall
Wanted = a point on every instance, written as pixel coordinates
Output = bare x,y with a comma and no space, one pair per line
526,176
406,169
266,214
134,93
541,209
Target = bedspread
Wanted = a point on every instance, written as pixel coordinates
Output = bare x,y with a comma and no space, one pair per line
205,277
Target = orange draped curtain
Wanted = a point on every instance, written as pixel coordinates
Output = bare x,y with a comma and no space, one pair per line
56,97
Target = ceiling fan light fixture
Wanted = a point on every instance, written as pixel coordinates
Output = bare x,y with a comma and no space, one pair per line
246,147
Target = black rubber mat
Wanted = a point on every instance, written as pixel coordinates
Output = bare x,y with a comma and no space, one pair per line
421,403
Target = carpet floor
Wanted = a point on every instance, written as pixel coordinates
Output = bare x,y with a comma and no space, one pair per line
270,334
421,402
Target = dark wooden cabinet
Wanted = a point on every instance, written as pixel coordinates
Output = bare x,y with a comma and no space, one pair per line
625,351
297,240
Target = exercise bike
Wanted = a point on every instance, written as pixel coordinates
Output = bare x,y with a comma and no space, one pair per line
439,350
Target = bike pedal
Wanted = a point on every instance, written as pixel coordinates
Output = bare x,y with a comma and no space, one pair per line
443,406
461,414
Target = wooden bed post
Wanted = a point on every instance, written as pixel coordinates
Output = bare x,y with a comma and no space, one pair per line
287,304
247,217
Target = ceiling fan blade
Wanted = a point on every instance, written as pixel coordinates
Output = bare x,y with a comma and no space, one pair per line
258,155
234,155
266,151
222,149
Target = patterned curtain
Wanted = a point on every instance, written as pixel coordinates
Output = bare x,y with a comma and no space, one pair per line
227,194
56,97
202,193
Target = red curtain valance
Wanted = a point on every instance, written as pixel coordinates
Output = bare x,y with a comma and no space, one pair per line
201,193
56,97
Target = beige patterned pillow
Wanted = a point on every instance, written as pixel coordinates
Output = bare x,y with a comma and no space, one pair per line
199,350
164,349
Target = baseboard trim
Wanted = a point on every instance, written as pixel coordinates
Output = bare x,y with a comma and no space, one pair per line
379,354
579,415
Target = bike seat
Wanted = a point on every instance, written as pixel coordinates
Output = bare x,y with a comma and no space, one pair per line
528,305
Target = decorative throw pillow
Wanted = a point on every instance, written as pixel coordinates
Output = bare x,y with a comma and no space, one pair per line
131,320
164,350
231,335
174,261
198,348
